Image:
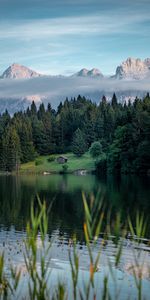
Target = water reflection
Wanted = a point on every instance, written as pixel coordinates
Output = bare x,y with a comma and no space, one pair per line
127,194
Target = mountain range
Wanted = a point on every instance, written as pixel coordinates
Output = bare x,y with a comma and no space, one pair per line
131,69
20,85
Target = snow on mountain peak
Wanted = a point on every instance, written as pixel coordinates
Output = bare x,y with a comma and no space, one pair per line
95,72
36,98
133,68
83,72
88,73
16,71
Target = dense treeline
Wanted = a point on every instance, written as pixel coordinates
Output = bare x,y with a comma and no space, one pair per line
122,129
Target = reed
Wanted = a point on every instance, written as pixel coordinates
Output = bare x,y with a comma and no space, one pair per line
98,231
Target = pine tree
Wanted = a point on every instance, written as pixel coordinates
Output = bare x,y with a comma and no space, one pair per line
114,101
95,150
28,152
78,144
60,106
10,150
41,111
33,109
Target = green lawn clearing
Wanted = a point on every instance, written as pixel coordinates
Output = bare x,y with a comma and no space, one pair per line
41,164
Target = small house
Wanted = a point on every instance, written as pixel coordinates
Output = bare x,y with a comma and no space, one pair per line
62,159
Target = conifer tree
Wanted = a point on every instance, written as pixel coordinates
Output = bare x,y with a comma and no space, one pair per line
10,150
114,101
78,144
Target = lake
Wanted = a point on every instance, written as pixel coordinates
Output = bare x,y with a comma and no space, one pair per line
127,195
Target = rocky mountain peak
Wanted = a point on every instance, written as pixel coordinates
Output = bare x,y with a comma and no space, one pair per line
147,62
16,71
89,73
95,72
133,68
83,72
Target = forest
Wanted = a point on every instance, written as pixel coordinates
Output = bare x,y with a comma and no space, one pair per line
123,131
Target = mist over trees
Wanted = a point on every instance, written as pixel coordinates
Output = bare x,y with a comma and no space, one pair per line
123,130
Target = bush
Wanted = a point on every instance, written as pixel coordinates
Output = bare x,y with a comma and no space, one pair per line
79,146
101,165
65,168
95,150
51,158
38,162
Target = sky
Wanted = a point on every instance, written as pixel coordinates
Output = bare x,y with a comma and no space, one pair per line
64,36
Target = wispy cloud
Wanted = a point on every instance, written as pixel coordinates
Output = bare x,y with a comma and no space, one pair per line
56,36
101,24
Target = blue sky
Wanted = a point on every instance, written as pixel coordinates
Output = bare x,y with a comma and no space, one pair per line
63,36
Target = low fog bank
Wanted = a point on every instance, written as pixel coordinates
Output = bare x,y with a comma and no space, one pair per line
16,94
47,86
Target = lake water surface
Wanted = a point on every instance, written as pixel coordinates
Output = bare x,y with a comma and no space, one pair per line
127,195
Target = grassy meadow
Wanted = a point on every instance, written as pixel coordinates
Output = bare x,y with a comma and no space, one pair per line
42,164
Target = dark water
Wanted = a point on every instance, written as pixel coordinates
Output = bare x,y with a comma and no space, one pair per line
128,194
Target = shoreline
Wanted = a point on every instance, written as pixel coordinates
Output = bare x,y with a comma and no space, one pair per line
78,172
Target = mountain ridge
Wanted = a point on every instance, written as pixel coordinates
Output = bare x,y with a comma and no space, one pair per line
21,85
17,71
130,69
133,68
89,73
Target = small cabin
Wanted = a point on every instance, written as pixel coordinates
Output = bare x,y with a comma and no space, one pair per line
62,159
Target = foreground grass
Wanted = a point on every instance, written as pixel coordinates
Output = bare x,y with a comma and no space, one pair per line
74,163
36,266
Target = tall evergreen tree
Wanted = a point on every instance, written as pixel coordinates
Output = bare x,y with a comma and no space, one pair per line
11,150
28,152
33,109
114,101
78,144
